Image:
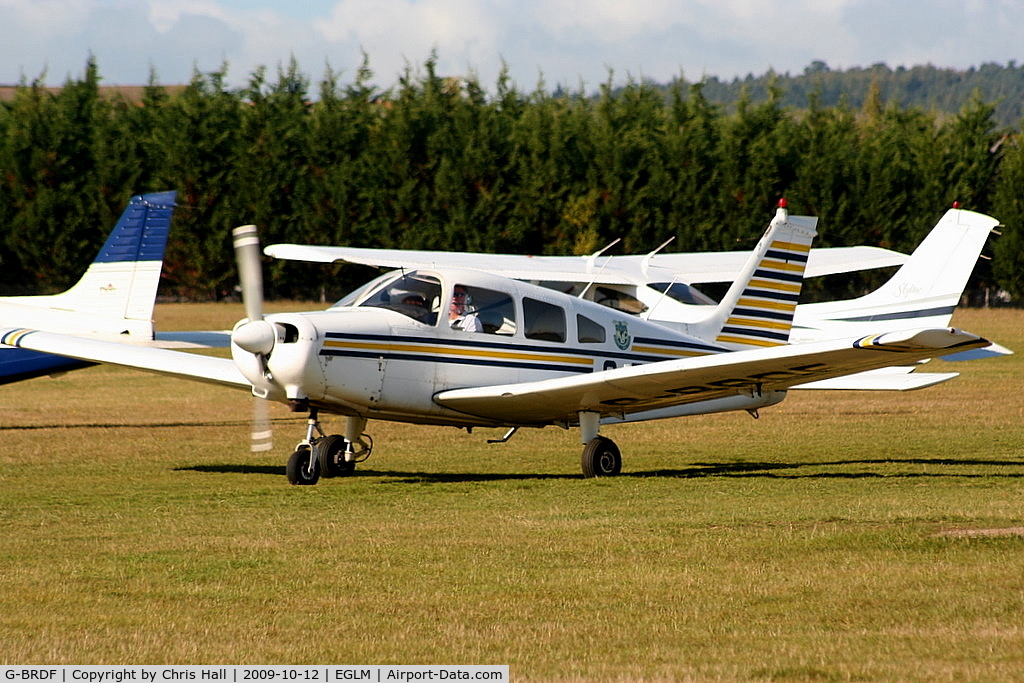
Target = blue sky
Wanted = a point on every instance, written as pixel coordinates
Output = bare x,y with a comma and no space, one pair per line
566,42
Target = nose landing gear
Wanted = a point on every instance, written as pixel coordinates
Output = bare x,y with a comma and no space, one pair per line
328,456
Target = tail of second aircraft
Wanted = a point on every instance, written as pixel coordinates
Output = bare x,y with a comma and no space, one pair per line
117,292
757,311
924,292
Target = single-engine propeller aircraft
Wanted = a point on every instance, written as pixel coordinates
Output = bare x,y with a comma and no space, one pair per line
114,298
662,287
469,348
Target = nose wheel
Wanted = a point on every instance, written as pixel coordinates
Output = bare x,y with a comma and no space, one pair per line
303,469
328,456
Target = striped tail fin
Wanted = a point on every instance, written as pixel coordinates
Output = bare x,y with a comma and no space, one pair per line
758,309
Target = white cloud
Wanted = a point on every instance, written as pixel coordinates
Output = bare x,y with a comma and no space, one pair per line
564,40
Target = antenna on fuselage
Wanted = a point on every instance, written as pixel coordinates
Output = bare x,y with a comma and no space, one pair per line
591,260
646,315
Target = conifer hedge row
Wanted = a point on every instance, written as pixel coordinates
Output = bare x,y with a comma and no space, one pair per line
444,163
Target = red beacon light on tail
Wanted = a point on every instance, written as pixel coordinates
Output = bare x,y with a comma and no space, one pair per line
782,212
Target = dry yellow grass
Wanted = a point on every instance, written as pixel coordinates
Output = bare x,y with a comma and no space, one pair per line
819,542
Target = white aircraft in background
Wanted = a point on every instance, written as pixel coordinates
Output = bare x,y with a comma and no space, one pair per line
661,287
400,349
114,298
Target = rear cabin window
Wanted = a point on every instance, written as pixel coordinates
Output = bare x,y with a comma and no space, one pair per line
588,331
543,321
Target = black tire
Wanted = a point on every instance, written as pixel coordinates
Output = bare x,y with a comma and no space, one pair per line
331,456
601,458
298,468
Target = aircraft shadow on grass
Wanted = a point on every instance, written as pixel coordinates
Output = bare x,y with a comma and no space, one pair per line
767,470
128,425
783,470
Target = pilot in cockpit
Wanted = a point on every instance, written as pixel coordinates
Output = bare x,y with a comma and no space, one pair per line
461,313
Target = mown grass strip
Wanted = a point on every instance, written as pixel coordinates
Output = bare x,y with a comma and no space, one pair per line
839,536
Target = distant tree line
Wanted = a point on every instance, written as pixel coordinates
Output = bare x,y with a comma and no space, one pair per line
942,91
443,163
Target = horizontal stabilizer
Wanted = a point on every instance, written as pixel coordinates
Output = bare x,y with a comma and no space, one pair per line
993,350
883,379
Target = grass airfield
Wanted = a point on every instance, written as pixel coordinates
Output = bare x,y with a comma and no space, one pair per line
840,536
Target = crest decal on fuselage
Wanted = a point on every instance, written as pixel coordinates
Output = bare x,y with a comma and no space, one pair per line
622,337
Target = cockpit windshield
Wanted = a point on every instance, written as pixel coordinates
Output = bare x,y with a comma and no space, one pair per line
413,294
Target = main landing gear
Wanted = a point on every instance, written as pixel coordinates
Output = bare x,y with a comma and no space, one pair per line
328,456
601,457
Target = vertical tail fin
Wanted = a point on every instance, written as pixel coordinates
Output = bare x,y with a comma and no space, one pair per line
928,287
757,310
121,283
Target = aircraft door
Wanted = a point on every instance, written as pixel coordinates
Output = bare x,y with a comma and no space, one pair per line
407,379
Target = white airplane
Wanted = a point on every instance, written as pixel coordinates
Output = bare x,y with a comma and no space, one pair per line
661,287
114,298
400,349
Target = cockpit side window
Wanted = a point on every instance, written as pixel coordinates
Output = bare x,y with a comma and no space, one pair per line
414,294
543,321
477,309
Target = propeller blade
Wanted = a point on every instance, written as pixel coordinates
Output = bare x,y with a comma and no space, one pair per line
250,270
262,433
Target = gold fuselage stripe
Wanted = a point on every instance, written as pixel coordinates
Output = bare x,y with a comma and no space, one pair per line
725,338
668,352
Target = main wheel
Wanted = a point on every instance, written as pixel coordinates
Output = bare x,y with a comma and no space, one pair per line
601,458
331,456
299,470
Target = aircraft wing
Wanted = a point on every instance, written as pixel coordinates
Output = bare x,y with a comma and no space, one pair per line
725,266
665,384
163,361
691,268
516,266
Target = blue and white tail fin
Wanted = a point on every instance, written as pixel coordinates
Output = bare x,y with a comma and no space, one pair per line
924,292
757,311
119,288
114,297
